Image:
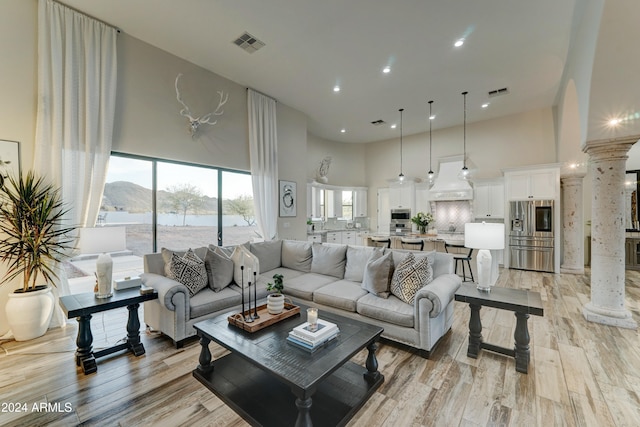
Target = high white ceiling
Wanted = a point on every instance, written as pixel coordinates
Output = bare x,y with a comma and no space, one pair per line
312,45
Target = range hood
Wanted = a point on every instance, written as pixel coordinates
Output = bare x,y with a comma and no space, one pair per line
448,186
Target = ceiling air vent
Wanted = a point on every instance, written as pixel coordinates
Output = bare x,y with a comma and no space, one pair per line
498,92
248,43
377,122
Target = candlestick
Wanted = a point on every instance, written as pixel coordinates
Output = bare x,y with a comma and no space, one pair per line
242,290
250,318
255,296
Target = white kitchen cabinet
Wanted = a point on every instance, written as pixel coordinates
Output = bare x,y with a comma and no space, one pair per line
423,204
533,184
314,201
488,200
334,237
360,204
316,238
402,196
348,238
361,238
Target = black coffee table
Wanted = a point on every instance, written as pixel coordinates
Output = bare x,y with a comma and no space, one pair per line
82,306
520,301
269,382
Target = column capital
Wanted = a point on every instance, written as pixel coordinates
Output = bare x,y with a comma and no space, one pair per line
575,177
610,148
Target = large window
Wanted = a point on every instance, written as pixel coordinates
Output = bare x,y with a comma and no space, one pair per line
176,205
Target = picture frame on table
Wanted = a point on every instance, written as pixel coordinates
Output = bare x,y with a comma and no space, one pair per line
9,159
288,198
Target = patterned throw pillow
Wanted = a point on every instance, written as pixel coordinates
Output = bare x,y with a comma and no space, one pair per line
409,276
188,270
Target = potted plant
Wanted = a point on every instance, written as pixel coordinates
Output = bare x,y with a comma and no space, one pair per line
275,301
34,239
422,220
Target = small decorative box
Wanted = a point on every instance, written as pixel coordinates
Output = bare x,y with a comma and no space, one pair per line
126,283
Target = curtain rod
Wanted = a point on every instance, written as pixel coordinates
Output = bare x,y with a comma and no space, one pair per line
262,93
88,16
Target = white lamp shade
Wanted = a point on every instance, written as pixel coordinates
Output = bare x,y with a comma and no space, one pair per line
482,235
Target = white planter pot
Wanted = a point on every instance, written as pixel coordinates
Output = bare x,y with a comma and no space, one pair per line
275,303
29,313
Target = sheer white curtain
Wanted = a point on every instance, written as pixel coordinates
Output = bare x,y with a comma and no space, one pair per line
77,70
263,143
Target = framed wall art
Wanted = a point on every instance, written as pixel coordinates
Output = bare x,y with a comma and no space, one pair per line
9,158
288,198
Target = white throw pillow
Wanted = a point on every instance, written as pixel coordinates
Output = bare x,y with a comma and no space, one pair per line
241,256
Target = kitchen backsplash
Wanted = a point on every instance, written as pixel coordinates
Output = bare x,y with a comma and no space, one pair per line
451,214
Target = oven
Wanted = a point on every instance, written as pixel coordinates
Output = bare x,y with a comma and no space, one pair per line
400,222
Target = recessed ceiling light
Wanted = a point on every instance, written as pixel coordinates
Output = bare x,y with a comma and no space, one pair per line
614,122
393,126
432,117
386,69
459,42
336,88
485,105
343,130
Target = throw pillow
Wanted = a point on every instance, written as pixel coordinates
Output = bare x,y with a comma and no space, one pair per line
242,257
189,270
357,258
376,274
166,256
409,276
268,253
219,269
328,260
296,255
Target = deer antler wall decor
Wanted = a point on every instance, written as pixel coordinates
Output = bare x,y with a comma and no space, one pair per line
194,123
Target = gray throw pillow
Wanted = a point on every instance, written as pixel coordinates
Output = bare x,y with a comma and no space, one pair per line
357,257
188,270
296,255
269,254
409,276
329,260
219,269
376,274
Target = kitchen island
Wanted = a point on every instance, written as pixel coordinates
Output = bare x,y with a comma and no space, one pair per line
431,241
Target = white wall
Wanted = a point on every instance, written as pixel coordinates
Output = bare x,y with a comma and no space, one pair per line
347,164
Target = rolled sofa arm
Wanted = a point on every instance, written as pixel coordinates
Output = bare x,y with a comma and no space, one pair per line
167,289
440,292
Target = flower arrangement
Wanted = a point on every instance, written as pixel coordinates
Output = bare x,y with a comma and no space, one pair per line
422,220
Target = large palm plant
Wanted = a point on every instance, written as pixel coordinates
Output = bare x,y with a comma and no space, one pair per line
34,237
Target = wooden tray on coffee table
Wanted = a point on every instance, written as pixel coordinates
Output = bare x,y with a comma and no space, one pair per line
265,319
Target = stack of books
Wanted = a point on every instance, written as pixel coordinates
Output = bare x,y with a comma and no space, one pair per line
303,337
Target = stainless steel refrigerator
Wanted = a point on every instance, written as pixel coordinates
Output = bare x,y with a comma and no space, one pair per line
531,235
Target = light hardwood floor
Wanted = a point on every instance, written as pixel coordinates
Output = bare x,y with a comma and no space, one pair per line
581,374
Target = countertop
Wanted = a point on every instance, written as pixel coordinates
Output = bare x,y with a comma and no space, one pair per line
453,238
339,230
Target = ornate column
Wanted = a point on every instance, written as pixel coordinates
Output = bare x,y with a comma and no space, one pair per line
607,164
572,223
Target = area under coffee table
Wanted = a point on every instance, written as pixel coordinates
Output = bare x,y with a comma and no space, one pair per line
272,383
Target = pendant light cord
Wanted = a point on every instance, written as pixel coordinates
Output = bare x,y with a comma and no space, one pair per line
464,131
430,155
401,174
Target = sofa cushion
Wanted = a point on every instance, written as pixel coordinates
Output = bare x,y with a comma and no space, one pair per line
357,257
206,301
409,276
219,269
390,310
242,257
188,270
329,260
377,273
296,255
166,255
269,254
342,294
304,285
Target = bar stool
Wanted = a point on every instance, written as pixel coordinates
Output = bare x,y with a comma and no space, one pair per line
380,242
461,258
413,243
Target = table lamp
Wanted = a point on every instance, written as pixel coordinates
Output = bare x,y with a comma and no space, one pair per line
485,236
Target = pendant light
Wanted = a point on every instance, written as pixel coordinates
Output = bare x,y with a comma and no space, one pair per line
430,174
464,172
401,176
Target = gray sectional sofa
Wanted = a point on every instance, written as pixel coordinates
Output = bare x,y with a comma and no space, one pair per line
326,276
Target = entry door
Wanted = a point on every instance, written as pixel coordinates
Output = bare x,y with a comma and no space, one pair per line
384,210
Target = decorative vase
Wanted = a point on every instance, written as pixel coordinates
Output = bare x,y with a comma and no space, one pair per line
275,303
104,272
29,313
422,229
